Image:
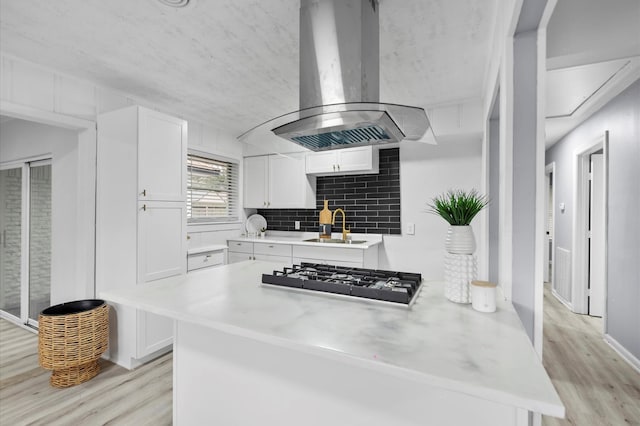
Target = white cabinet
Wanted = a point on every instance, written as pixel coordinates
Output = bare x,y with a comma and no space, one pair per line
205,259
358,160
357,258
256,181
243,250
161,141
160,229
278,182
140,219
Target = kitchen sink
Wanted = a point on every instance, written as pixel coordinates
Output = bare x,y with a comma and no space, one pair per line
333,240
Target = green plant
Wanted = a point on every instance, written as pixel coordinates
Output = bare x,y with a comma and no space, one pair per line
458,207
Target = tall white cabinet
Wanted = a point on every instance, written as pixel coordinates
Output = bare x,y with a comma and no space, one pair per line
140,220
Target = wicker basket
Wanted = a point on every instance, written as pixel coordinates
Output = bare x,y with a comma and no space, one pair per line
71,339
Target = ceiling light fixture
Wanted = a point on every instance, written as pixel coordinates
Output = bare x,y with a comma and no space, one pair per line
175,3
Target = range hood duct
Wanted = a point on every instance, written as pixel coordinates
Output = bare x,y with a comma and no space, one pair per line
340,83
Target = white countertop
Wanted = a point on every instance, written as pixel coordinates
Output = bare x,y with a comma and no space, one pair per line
299,239
435,341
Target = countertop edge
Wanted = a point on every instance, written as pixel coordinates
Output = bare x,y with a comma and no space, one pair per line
481,392
268,240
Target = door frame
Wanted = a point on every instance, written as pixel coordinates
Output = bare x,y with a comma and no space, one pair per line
551,169
580,228
25,222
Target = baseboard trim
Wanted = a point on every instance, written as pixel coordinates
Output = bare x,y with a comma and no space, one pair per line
623,352
561,299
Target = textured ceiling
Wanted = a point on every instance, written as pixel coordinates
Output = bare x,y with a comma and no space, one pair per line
234,63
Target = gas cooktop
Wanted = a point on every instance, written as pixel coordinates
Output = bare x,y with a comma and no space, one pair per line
389,286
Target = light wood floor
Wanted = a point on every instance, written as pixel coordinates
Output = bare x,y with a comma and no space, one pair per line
595,384
115,397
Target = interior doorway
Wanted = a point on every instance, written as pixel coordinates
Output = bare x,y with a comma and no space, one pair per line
25,239
597,243
590,230
550,201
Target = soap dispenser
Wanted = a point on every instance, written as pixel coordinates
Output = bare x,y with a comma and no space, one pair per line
325,221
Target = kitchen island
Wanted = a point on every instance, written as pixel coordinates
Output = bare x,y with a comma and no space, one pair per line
247,353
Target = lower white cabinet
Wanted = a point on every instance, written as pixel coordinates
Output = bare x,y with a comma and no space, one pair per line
155,332
161,230
295,254
269,252
205,259
356,258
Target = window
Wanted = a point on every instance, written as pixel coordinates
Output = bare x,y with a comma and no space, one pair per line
212,190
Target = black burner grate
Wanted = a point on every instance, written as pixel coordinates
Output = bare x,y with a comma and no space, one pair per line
390,286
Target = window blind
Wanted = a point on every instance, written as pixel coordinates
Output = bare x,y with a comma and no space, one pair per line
212,190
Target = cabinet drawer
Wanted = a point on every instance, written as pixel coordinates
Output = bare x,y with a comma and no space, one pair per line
334,262
328,253
278,259
272,249
205,260
241,247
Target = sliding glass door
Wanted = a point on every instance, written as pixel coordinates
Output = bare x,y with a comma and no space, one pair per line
11,235
25,249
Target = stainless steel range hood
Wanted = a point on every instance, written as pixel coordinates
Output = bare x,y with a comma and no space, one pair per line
339,83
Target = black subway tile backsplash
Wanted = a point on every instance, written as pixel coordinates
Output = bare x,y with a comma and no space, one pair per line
371,202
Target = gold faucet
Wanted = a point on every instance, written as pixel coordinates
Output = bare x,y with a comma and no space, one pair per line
344,220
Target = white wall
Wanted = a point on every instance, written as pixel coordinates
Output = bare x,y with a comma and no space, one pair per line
426,171
21,140
621,117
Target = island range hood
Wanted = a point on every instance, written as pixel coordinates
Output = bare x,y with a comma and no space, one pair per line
340,83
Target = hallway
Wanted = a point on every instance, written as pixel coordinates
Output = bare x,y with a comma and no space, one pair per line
595,384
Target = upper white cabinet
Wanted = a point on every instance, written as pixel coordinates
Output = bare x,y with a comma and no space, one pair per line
343,161
256,181
140,219
278,182
161,140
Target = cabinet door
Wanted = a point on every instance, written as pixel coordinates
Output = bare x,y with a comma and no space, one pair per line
239,257
288,184
321,162
256,175
155,332
355,159
161,240
162,157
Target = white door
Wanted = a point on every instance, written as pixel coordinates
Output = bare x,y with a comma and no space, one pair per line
355,159
161,239
287,182
597,241
321,162
162,142
256,171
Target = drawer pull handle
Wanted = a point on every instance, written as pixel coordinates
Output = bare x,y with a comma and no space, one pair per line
144,192
144,207
270,246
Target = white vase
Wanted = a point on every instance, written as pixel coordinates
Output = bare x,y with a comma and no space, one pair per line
460,240
459,271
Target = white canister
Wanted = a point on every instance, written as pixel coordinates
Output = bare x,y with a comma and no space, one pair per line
483,296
